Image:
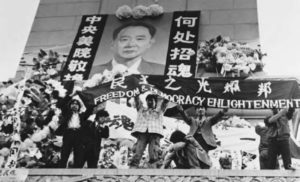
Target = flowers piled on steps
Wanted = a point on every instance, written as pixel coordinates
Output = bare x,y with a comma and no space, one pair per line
233,121
106,76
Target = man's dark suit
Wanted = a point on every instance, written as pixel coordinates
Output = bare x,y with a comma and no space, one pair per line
92,141
144,68
73,139
204,134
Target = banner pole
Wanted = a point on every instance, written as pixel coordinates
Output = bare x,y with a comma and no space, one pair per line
15,146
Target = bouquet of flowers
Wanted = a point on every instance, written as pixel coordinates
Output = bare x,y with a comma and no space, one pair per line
46,65
139,12
224,56
233,121
107,76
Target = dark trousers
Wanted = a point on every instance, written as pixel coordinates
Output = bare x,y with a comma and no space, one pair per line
143,139
91,155
264,159
279,147
71,141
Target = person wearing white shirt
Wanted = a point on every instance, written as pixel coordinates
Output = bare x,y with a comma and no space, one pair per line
71,128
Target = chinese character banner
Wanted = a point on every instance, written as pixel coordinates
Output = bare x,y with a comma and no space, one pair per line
210,92
183,42
83,51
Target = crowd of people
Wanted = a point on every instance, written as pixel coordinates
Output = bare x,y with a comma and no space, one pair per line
46,113
49,109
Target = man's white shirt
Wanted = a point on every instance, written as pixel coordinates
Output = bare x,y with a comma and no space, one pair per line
133,69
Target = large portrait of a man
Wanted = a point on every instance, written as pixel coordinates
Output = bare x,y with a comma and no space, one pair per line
139,45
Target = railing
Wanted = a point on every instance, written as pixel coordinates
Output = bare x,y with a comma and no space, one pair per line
157,175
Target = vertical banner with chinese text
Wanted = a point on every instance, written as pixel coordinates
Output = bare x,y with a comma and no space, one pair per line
183,42
85,45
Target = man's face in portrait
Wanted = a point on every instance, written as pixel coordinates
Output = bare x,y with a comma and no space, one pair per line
132,42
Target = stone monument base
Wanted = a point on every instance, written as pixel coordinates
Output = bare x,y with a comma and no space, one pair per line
159,175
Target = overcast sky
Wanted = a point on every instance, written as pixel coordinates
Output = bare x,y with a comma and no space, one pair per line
279,27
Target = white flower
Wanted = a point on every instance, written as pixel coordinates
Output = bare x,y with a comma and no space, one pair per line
54,123
40,135
4,152
119,69
139,12
239,61
23,147
51,71
89,83
35,73
227,39
252,66
256,57
57,111
28,143
227,67
221,58
124,12
238,67
246,69
155,10
26,101
36,137
107,76
94,81
57,86
219,49
97,77
16,137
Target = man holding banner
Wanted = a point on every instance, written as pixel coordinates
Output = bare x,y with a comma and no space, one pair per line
130,41
148,129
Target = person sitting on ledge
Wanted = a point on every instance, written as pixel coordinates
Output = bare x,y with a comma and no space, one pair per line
186,153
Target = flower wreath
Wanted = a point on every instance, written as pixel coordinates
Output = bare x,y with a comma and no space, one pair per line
139,12
225,56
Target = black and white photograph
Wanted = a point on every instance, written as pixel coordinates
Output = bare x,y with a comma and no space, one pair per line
156,90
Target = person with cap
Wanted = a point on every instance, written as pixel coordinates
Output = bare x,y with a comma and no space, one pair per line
148,129
93,133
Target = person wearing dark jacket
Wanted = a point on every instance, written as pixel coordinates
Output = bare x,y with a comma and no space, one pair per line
92,136
71,128
279,139
201,126
264,132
